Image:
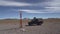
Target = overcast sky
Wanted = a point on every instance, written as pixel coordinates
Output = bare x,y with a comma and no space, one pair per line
30,8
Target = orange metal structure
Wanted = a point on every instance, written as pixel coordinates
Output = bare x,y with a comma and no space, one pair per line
20,19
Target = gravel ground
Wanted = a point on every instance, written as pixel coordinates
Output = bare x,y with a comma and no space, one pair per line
45,28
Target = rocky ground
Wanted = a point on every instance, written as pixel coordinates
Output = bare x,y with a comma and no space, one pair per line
45,28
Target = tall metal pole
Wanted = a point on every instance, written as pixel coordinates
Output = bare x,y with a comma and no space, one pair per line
20,19
21,26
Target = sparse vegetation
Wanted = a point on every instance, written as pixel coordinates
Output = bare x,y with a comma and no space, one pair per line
50,26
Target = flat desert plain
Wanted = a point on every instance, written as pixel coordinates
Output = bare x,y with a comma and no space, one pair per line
11,26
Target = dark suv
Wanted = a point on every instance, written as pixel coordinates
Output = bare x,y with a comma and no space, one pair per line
36,21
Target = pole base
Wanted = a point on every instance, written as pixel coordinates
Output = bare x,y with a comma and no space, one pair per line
23,29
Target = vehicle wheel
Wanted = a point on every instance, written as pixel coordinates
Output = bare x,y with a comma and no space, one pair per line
37,23
29,24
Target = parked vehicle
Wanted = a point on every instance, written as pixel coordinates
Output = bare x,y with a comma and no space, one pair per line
35,21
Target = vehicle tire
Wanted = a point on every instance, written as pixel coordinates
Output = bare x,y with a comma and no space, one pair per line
29,24
38,23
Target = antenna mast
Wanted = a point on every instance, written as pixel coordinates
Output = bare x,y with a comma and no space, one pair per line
20,19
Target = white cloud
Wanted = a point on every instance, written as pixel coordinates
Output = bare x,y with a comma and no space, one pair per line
54,6
54,3
40,11
50,7
12,3
57,9
31,11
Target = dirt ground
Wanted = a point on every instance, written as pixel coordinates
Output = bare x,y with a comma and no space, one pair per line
48,27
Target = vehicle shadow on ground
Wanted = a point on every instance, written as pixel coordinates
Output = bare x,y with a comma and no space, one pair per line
33,25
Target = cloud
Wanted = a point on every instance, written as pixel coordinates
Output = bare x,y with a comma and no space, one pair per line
53,3
43,7
28,1
31,11
53,6
50,7
40,11
12,3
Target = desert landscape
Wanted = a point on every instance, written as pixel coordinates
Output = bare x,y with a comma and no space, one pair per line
11,26
29,16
